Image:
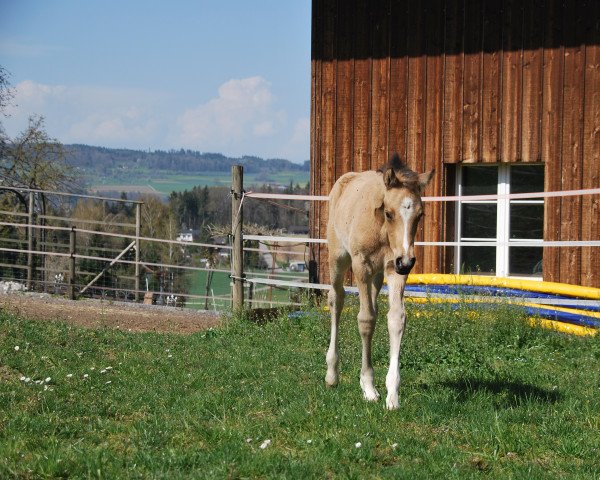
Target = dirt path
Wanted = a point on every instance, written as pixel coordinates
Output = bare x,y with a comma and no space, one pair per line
99,313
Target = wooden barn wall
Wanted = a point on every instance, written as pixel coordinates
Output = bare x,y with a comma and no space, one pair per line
446,81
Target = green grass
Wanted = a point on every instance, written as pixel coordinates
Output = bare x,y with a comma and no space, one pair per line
178,183
482,395
220,286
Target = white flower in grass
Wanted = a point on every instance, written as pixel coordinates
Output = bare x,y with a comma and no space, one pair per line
22,378
85,375
309,441
358,445
394,446
103,370
248,440
16,348
47,380
69,375
265,444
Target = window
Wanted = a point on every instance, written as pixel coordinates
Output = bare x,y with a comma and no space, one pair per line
508,232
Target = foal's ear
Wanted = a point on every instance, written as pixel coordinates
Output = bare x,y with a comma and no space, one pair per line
390,179
425,178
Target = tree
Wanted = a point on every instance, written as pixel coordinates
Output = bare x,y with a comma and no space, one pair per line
6,92
34,160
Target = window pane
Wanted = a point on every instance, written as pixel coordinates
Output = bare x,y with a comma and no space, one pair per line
478,220
478,180
478,260
526,261
526,178
527,221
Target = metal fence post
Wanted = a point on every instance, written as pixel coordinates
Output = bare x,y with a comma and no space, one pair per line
138,229
237,252
72,251
30,241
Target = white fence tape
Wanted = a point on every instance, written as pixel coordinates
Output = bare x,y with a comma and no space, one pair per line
449,198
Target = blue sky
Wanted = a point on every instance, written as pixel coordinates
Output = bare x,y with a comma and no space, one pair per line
218,76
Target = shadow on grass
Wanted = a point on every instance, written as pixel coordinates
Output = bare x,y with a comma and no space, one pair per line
506,393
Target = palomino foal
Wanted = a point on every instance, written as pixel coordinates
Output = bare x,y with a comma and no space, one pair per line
373,218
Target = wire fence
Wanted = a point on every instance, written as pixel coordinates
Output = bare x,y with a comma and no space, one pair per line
57,252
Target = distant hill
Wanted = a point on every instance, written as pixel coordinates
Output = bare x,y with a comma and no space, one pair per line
110,165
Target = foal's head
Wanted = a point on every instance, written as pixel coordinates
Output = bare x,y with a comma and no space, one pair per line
402,210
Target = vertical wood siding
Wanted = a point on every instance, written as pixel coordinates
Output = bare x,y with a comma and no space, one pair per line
446,81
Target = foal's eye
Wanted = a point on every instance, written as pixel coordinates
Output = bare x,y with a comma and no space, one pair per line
388,215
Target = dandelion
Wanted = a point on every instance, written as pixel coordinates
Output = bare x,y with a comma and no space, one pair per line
358,445
265,444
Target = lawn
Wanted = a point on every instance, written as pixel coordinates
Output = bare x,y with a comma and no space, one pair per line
178,183
482,394
221,289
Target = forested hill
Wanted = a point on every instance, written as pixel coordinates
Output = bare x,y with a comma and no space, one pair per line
109,162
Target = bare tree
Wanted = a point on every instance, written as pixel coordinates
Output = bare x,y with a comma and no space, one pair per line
34,160
6,92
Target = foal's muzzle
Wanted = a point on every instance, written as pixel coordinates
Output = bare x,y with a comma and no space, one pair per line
404,265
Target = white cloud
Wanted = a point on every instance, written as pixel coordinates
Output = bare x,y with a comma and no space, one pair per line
243,118
242,111
298,145
88,114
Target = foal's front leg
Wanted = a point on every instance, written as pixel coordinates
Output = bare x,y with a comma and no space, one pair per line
366,327
396,321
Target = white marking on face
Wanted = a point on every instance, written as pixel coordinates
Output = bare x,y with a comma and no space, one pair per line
406,212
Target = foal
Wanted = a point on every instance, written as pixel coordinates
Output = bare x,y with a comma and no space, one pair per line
373,218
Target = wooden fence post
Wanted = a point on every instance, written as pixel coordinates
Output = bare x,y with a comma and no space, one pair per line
138,230
237,252
72,251
30,241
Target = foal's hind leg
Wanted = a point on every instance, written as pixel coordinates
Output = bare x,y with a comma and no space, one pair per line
367,291
335,299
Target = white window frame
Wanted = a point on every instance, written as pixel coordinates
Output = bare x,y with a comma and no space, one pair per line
502,242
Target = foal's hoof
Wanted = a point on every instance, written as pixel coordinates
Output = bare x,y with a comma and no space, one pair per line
392,403
369,392
372,396
331,381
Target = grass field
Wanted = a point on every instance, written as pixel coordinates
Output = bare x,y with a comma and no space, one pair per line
178,183
482,395
221,289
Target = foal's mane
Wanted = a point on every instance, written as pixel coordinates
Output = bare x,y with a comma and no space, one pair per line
402,175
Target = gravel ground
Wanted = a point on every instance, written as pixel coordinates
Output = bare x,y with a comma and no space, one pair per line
133,317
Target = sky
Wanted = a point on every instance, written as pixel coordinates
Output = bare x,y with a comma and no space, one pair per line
226,76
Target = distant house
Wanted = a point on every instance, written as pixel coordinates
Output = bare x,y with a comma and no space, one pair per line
187,236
